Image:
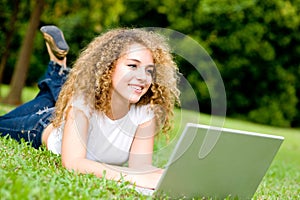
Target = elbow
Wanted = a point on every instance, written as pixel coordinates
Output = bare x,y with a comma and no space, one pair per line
69,164
66,164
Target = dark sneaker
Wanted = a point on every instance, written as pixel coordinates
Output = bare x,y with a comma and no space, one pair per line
55,38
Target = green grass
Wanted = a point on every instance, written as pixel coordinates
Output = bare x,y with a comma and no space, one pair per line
27,173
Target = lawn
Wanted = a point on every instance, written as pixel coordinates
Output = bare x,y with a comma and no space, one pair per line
26,173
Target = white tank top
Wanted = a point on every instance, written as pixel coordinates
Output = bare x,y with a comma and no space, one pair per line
109,141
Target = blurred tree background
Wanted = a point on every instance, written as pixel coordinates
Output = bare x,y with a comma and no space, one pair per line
255,45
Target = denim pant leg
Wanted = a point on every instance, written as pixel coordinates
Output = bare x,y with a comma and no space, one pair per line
30,119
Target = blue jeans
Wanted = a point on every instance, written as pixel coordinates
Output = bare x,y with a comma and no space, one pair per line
29,120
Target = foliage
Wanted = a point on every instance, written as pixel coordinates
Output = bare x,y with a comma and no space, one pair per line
255,45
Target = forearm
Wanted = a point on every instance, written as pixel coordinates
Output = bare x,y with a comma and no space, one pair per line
86,166
144,177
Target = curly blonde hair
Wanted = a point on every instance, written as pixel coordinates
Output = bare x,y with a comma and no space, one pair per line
91,75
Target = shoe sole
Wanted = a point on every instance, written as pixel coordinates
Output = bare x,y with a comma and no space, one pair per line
54,37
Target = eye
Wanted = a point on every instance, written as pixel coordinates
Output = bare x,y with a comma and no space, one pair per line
132,65
150,71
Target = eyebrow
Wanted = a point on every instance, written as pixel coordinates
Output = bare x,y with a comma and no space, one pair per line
133,59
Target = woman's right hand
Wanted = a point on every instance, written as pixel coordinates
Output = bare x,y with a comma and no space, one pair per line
147,179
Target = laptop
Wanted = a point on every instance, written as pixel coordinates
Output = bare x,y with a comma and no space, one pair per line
216,163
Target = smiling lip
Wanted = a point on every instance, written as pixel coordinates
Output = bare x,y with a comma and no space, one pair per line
137,88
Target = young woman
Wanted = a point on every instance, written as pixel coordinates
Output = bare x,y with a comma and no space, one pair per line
107,109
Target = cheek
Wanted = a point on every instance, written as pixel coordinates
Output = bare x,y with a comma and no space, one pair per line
119,77
149,79
149,86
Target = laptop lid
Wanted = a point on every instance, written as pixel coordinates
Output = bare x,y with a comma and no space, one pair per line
218,162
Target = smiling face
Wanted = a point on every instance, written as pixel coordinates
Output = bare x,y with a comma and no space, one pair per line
133,75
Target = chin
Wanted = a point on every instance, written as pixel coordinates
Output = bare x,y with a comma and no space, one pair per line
131,101
134,100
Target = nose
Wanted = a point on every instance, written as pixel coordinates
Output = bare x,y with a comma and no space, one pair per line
141,74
